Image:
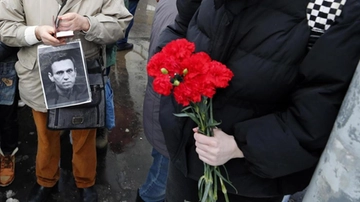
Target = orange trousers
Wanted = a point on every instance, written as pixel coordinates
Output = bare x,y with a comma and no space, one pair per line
48,154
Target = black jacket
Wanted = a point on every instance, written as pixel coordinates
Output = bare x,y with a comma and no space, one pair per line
79,94
283,100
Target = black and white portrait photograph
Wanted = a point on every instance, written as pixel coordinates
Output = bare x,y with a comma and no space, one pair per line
63,75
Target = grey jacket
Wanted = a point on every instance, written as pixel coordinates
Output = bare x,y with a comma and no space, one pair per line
108,20
165,14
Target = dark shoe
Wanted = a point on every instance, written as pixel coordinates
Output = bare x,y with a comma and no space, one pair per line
124,46
39,193
88,194
102,138
138,197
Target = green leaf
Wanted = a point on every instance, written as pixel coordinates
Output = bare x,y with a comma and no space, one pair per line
218,173
181,115
215,184
206,192
193,117
201,186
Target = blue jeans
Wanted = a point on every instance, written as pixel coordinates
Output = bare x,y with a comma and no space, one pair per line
132,8
8,83
9,129
153,190
8,77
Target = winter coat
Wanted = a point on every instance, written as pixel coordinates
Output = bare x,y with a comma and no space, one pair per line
165,14
281,103
108,20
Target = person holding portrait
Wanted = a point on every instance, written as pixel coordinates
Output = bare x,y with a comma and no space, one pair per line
27,24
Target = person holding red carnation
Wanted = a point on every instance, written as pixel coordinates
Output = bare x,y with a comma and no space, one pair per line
278,110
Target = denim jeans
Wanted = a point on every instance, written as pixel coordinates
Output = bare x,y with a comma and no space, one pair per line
132,8
153,190
8,77
8,99
8,83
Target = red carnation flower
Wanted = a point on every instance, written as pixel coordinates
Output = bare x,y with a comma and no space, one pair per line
193,79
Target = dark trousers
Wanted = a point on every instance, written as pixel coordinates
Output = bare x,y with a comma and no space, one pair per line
180,188
9,133
132,9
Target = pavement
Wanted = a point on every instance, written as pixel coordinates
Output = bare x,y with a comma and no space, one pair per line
123,164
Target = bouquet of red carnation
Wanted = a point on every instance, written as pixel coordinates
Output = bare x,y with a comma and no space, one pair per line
193,79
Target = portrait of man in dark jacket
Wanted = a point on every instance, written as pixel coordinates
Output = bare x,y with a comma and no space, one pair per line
64,80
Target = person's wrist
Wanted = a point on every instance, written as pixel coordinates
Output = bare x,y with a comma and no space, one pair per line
237,152
85,25
37,35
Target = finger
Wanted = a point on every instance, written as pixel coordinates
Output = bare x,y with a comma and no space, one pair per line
217,130
64,26
52,41
66,16
201,146
204,156
211,152
208,161
203,139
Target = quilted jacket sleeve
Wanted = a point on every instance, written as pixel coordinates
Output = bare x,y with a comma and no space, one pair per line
286,142
186,10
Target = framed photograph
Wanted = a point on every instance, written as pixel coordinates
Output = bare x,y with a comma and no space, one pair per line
63,75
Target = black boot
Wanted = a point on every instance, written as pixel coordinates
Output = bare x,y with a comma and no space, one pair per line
138,198
88,194
39,193
102,138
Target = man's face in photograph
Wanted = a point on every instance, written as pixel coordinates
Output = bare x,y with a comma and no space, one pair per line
63,74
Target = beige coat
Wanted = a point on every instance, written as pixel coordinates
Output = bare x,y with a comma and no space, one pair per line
108,21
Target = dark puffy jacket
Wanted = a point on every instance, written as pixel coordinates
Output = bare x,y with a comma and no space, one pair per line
7,53
283,100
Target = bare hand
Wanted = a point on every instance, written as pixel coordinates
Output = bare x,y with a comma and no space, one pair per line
216,150
74,22
45,33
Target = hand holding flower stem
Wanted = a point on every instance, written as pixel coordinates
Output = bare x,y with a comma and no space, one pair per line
192,78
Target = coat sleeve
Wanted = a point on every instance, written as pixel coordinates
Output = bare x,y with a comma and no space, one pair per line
12,23
105,26
292,140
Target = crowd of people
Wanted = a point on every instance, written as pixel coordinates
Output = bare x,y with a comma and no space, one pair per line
291,67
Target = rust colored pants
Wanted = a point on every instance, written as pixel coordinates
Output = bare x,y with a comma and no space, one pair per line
48,154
